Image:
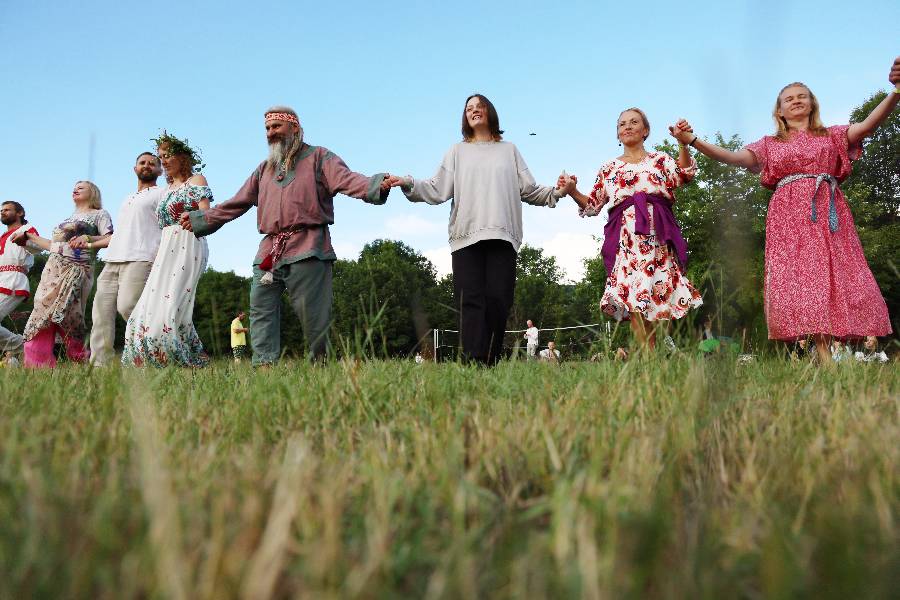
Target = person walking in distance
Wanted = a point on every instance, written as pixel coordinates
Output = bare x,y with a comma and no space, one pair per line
531,345
239,337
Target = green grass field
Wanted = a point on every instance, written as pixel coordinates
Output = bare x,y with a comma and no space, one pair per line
679,479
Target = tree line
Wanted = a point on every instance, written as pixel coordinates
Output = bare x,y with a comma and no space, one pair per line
387,301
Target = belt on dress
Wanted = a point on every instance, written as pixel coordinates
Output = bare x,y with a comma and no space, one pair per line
820,179
279,243
15,268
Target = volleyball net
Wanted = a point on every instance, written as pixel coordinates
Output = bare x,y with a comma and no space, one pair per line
575,341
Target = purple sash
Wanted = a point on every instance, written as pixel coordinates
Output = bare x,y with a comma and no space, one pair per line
664,224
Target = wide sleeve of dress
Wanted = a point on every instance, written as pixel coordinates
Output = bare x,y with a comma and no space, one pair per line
104,223
598,197
529,190
439,188
677,176
846,153
759,148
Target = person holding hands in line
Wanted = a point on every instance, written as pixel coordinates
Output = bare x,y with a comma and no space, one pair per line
817,280
487,180
643,250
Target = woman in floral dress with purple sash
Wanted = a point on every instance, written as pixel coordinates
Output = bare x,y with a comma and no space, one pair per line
643,250
161,331
817,280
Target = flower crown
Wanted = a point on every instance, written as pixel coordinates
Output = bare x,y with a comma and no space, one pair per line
181,147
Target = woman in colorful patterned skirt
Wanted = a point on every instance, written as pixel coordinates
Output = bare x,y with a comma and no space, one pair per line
643,250
817,280
66,280
160,331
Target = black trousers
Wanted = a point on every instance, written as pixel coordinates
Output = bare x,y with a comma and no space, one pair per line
484,280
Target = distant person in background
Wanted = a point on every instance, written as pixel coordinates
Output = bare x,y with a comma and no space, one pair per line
871,353
239,337
550,353
802,350
488,181
643,250
531,345
10,360
839,351
818,282
15,262
128,258
59,302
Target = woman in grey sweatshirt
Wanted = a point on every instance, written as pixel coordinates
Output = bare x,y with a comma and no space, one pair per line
487,179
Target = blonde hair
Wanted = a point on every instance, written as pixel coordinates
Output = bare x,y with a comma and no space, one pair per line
643,118
94,201
815,126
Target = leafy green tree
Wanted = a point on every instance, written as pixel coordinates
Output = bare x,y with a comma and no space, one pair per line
389,296
873,193
220,296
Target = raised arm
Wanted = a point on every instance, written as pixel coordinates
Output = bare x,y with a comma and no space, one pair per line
684,133
436,190
530,191
204,222
339,179
858,131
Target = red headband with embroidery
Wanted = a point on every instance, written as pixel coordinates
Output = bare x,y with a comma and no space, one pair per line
282,116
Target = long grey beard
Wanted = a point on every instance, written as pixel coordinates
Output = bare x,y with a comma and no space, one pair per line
284,150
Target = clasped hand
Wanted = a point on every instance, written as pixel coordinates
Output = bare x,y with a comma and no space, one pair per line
682,131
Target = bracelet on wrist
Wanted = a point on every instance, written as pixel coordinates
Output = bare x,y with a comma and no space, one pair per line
692,142
90,245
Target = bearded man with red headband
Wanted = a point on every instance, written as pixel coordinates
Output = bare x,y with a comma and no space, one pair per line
293,191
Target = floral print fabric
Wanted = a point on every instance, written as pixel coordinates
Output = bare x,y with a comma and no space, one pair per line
646,278
67,277
160,331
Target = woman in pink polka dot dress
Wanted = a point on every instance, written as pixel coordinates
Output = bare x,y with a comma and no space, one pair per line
817,280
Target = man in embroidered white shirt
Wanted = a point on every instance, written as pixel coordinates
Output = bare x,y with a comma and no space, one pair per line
15,262
129,257
531,334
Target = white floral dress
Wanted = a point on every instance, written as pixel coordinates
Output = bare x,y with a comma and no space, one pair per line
161,331
646,278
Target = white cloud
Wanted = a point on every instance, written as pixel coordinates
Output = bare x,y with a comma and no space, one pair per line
346,250
570,249
441,259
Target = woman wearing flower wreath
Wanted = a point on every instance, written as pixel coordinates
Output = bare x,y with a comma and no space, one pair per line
643,250
160,331
817,280
488,180
66,280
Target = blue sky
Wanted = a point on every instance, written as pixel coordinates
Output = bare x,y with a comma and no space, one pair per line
383,84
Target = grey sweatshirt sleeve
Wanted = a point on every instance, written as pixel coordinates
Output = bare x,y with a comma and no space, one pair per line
531,192
439,188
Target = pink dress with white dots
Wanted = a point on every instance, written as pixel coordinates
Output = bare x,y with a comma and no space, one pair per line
817,281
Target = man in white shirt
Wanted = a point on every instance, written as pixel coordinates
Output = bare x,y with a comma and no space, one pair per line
15,262
129,257
531,346
550,353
